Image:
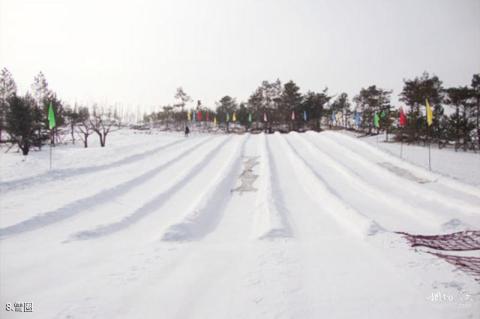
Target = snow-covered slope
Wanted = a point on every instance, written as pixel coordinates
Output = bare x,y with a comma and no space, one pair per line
231,226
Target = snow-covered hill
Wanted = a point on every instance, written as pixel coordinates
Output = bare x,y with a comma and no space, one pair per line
234,226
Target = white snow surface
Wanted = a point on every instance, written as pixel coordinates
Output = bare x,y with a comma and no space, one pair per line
163,226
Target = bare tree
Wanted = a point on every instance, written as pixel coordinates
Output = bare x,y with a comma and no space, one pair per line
83,126
104,122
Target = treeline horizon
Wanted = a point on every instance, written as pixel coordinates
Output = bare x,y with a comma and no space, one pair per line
271,106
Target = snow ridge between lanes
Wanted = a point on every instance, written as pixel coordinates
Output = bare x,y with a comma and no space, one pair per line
104,196
414,188
206,211
441,179
271,213
318,189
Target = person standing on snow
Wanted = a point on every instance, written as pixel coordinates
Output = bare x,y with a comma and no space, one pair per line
187,131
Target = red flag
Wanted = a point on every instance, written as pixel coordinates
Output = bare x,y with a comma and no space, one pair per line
403,117
199,115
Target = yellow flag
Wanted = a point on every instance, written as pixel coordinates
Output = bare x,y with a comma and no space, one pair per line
189,115
234,118
215,120
429,113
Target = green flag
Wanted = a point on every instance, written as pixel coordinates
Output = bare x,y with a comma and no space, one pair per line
250,117
376,120
51,117
383,114
228,117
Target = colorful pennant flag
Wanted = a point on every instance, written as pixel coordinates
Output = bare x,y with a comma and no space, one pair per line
429,113
305,116
234,117
250,117
403,117
228,117
264,117
189,115
358,119
376,120
215,120
293,115
51,117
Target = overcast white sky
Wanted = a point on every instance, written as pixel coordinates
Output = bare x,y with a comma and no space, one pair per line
137,52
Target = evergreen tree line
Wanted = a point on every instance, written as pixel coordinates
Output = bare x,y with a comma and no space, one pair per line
24,119
271,106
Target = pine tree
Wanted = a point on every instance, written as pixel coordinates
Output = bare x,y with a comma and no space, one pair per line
342,105
314,105
414,94
476,107
20,121
226,105
41,94
371,101
461,126
8,89
182,98
290,101
255,106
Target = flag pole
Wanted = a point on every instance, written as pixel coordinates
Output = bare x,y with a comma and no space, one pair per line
401,148
429,153
51,138
401,143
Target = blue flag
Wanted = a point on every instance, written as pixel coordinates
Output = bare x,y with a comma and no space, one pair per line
358,119
305,116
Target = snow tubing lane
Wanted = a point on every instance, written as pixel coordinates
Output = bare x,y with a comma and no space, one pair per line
414,188
153,204
427,218
441,179
80,205
343,213
205,213
71,172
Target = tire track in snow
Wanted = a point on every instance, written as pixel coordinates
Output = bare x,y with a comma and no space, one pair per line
414,188
152,205
57,174
271,213
395,204
204,215
104,196
317,188
440,179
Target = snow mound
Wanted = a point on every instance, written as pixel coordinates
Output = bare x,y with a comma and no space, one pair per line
271,216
